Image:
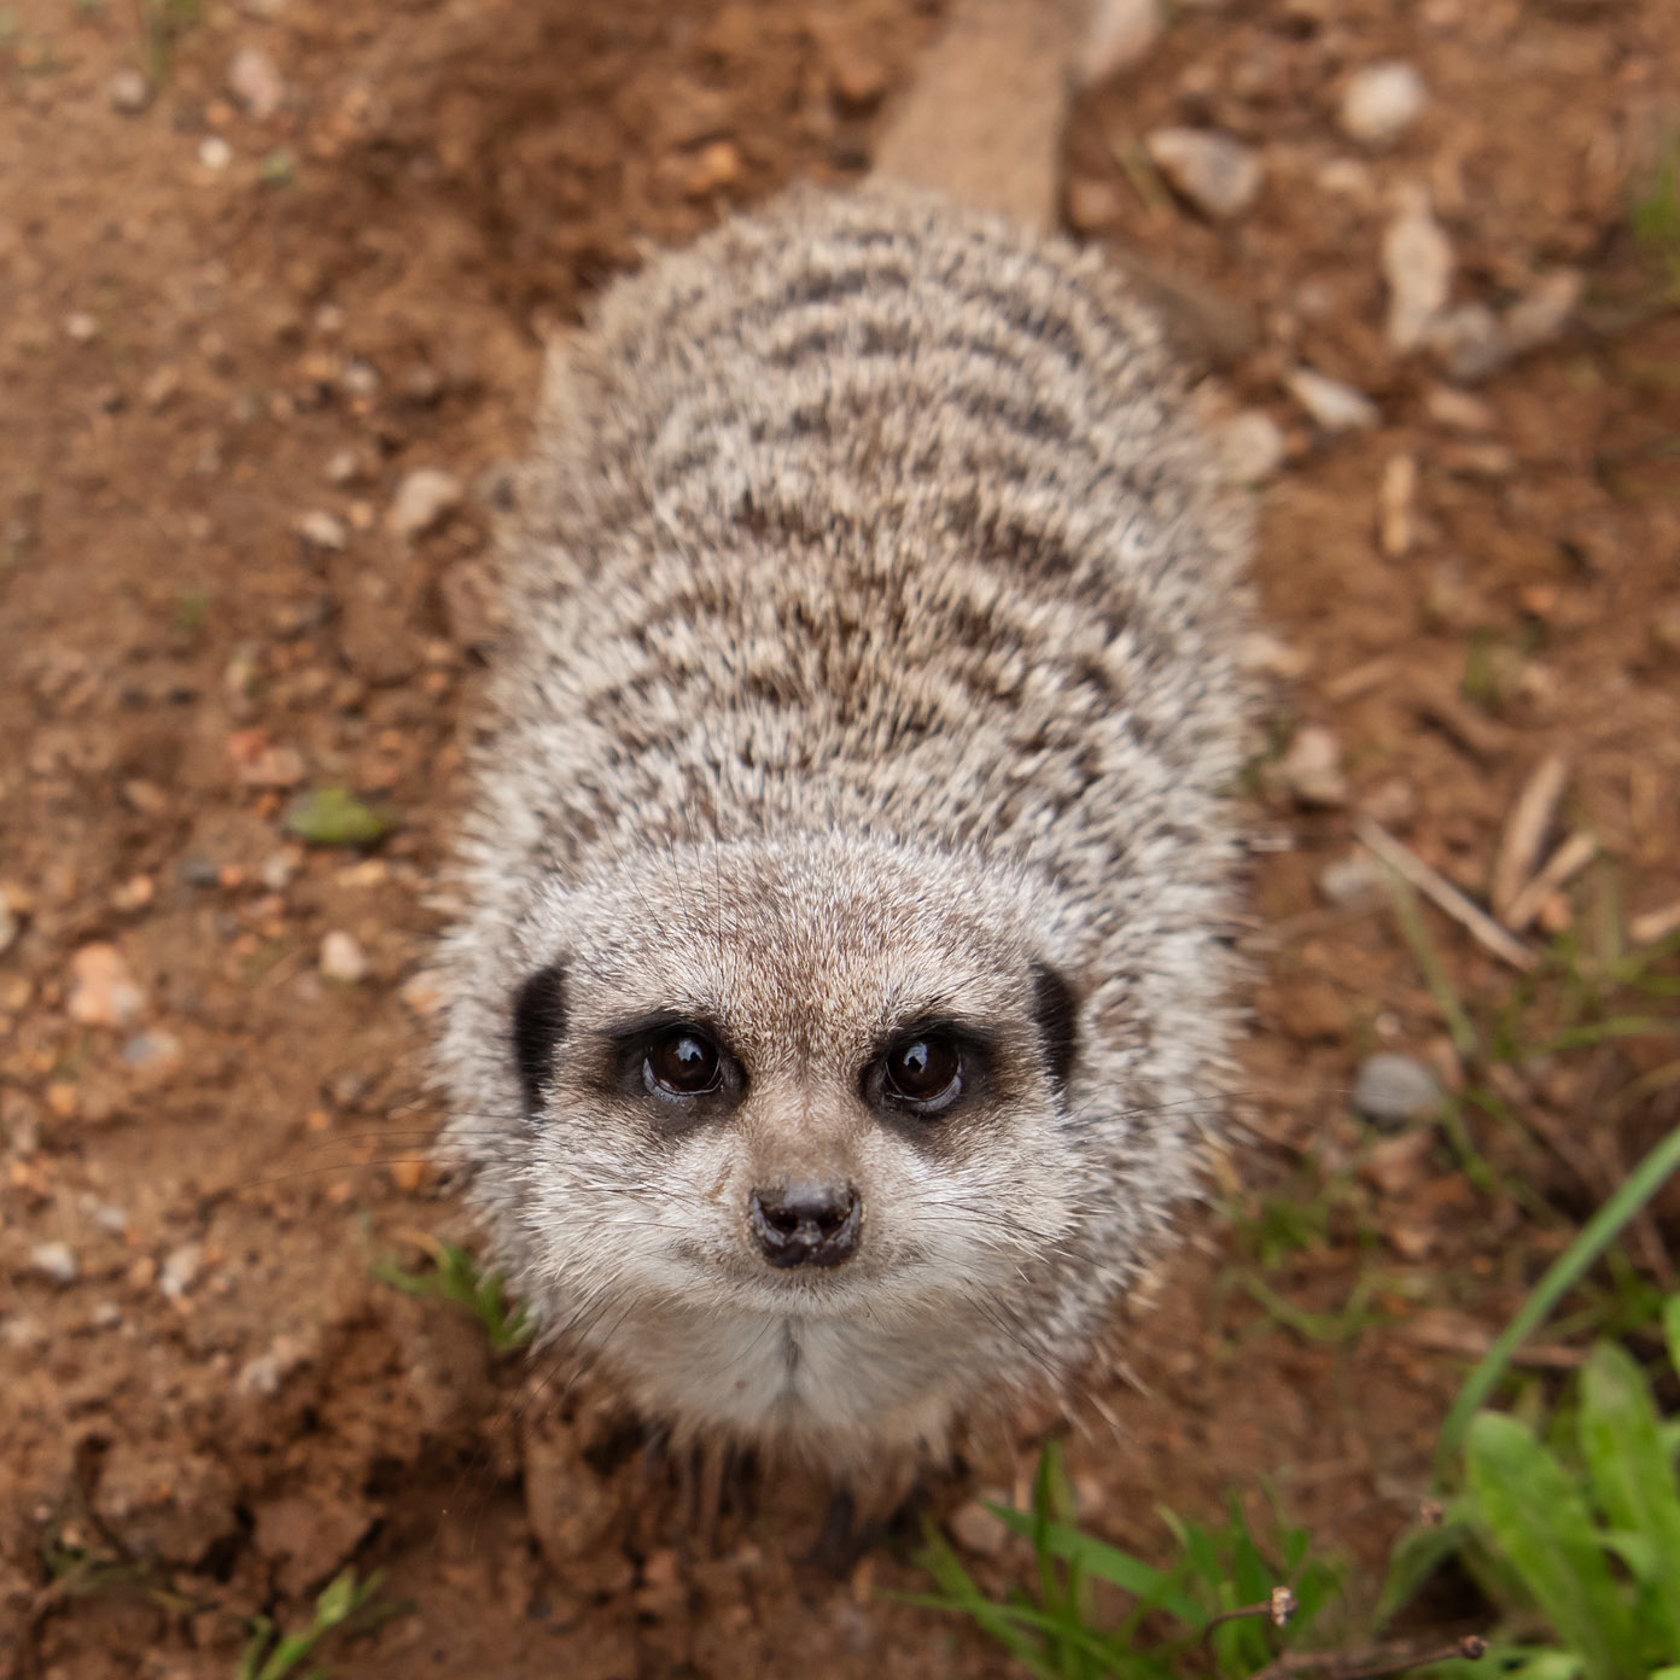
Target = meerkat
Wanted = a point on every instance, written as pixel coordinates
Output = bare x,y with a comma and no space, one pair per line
839,1009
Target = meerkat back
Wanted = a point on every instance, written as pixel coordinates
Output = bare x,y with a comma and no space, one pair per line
838,1012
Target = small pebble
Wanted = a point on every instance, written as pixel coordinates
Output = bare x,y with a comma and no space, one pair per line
81,327
422,384
1349,881
1417,260
267,1371
8,924
103,993
55,1261
1120,33
342,959
254,81
717,166
424,993
1458,410
345,467
1392,1090
1382,101
1541,313
24,1334
979,1531
322,530
278,869
1312,768
107,1316
214,152
110,1219
180,1269
1348,178
423,499
1220,176
359,379
1254,446
153,1052
1334,406
160,387
1267,655
1470,342
199,872
129,92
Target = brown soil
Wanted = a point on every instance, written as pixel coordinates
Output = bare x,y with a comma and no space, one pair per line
224,1403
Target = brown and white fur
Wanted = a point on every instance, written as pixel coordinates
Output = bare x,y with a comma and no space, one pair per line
874,675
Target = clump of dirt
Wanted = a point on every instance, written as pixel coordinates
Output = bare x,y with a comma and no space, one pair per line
270,336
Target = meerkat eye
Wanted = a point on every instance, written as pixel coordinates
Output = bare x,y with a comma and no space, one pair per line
683,1063
924,1072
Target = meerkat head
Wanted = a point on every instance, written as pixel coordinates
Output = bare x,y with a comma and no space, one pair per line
792,1126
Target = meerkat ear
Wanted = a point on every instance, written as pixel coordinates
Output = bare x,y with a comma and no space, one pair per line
1056,1010
539,1023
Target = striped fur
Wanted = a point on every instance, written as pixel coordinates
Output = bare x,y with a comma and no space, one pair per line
876,610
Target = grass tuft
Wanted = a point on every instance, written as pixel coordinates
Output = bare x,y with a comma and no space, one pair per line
456,1277
345,1607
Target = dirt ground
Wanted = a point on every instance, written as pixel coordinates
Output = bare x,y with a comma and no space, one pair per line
232,323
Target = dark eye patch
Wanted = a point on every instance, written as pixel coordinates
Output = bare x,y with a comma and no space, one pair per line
1056,1012
539,1023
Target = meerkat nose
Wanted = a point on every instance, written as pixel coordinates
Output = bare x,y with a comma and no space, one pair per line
807,1224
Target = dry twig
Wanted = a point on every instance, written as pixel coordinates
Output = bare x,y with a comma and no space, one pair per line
1525,832
1410,867
1655,924
1561,867
1370,1663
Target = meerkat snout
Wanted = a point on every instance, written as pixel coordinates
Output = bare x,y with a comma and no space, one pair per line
807,1224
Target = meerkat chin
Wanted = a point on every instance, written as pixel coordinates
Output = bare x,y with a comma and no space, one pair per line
838,1013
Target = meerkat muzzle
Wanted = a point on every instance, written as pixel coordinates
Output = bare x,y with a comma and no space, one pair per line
807,1224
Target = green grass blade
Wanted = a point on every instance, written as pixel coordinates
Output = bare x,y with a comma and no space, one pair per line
1108,1563
1619,1026
250,1661
963,1596
1409,914
1537,1517
1415,1556
1560,1277
1671,1331
1632,1476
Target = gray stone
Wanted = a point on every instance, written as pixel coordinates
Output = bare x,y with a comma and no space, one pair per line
1217,174
1348,881
1541,313
1393,1090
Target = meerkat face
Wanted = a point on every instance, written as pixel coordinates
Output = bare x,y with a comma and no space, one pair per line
773,1088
